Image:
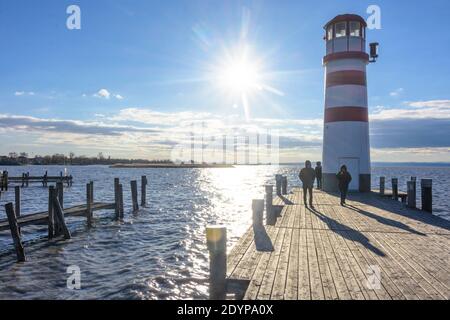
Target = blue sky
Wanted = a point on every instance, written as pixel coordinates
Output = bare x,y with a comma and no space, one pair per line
138,72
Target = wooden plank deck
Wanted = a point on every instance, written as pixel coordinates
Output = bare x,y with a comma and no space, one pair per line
375,248
42,217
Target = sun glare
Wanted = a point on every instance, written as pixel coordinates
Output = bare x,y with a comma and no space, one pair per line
240,76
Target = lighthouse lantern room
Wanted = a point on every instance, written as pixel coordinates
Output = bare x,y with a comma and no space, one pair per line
346,119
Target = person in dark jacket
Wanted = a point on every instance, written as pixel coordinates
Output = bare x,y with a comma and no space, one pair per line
307,176
344,178
318,171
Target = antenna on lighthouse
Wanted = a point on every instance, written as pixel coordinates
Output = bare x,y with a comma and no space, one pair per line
373,51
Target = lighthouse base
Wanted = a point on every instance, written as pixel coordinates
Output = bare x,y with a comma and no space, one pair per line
330,183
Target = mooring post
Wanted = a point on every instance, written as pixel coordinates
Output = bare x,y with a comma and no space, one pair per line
278,178
284,183
59,212
28,179
413,178
382,185
216,239
60,191
17,200
270,214
143,191
257,210
395,189
89,204
116,198
51,217
411,187
15,232
427,195
134,195
92,192
121,201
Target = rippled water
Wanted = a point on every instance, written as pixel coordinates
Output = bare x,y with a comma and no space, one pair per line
156,253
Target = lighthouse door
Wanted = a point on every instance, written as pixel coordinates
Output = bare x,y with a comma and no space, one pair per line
353,168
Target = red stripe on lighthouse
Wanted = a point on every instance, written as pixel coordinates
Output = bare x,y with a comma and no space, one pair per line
340,78
346,114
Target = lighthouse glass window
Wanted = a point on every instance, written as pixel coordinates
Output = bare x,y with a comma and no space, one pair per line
355,29
341,29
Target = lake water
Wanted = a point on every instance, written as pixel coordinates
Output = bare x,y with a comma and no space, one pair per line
154,253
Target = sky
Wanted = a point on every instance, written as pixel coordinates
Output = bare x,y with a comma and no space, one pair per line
138,76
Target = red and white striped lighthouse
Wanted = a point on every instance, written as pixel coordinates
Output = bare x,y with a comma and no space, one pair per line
346,119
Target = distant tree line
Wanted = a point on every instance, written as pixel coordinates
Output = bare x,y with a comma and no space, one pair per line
14,158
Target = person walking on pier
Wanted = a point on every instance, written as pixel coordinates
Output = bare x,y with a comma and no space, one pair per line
318,171
307,176
344,178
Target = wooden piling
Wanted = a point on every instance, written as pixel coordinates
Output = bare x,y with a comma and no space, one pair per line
411,189
284,183
134,195
59,213
143,191
270,214
17,200
92,191
27,177
427,195
216,239
60,191
51,218
395,189
89,202
116,198
121,201
382,185
278,178
257,212
15,232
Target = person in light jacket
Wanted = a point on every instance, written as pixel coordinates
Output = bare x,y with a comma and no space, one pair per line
344,178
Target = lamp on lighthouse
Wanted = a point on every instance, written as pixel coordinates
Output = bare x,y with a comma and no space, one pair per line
373,51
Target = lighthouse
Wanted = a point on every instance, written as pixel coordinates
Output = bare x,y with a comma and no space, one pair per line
346,117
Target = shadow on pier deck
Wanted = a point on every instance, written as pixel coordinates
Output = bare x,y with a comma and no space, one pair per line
373,248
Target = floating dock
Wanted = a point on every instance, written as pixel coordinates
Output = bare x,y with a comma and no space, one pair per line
374,248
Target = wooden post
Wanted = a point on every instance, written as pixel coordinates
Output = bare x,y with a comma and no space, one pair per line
89,204
143,191
17,200
414,179
395,189
257,210
411,188
51,218
121,201
427,195
28,179
270,214
284,183
60,191
278,178
59,213
382,185
216,239
15,233
134,195
92,191
116,198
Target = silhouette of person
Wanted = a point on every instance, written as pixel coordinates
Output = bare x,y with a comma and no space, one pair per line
307,176
344,178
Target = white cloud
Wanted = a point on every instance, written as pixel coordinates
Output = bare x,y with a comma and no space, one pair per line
396,92
118,97
22,93
433,109
102,93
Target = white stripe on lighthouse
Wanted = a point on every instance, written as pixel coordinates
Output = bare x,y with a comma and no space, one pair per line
346,96
345,65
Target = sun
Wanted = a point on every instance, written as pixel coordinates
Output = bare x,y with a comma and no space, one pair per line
240,76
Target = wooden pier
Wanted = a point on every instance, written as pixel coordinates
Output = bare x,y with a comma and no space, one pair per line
55,216
373,248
